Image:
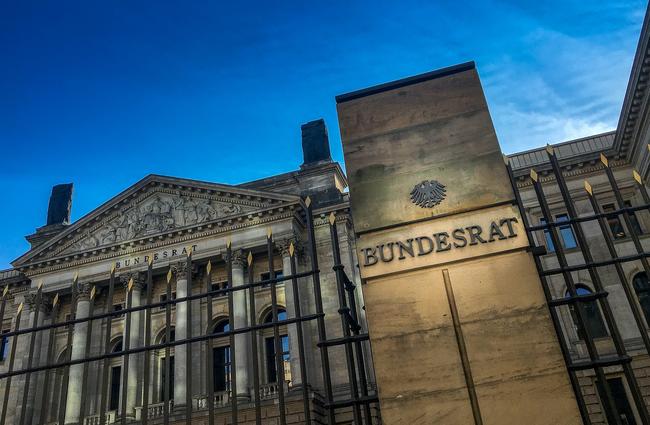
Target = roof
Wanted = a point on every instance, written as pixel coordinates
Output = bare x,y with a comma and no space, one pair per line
579,150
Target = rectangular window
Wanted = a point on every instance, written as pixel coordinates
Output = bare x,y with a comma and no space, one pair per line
614,222
267,276
636,226
163,387
271,370
547,237
566,232
219,286
116,376
163,298
4,346
623,407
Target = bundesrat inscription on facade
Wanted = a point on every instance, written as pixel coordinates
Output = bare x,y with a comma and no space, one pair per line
458,238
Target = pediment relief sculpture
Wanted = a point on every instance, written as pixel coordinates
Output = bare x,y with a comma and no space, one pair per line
159,213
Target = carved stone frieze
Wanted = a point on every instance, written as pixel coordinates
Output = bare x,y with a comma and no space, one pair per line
158,213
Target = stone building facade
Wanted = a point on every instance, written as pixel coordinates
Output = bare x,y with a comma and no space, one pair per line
159,220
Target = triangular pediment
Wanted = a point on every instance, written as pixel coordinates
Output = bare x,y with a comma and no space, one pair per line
154,207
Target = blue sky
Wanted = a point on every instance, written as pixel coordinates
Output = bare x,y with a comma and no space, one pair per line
102,93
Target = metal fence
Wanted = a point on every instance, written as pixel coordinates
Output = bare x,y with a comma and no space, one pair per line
361,400
578,302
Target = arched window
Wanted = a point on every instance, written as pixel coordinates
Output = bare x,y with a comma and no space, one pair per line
221,360
594,320
642,289
269,346
115,378
160,364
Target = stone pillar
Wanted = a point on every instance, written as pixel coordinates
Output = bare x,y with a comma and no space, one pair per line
292,329
40,352
132,390
73,401
240,317
180,351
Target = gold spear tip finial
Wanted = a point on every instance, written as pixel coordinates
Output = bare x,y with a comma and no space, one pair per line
40,285
637,177
332,218
113,268
169,275
56,300
208,268
189,250
250,258
269,233
20,308
588,188
649,146
5,291
93,292
549,149
151,260
228,243
130,285
533,175
291,249
76,277
308,201
604,160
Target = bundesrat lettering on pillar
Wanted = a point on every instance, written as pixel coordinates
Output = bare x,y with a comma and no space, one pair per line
458,238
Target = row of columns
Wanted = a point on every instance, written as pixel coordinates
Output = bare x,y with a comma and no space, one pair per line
240,320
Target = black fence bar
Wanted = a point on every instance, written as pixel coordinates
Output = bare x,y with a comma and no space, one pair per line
279,357
345,315
147,342
49,359
322,333
86,365
209,376
301,342
107,349
30,355
188,353
126,344
167,385
253,333
233,353
68,350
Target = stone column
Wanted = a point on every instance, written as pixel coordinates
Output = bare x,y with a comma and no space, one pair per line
40,353
73,401
240,317
132,390
292,330
180,351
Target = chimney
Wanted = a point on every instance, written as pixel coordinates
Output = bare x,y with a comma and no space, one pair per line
58,215
315,143
58,212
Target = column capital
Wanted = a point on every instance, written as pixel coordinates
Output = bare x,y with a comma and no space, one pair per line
238,258
83,291
30,301
285,243
139,279
180,269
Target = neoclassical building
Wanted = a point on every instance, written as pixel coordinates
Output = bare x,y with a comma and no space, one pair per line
133,251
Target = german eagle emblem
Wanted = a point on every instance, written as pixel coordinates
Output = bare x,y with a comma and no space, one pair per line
428,193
